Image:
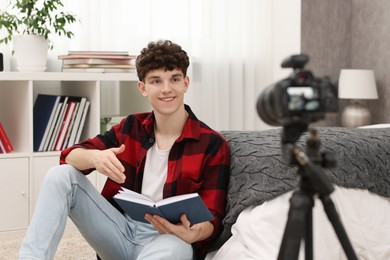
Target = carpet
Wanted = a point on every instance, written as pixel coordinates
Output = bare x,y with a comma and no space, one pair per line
72,246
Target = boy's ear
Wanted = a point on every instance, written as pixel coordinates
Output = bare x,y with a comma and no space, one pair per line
141,87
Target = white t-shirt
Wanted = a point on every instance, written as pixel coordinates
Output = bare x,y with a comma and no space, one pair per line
155,173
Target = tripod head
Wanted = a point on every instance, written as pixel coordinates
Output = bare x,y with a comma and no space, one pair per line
311,163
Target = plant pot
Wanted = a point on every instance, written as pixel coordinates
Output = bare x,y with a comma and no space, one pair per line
30,52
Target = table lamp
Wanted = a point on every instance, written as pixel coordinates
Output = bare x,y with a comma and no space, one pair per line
356,85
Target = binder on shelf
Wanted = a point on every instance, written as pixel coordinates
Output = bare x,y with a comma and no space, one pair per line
82,122
77,122
56,130
58,121
43,112
5,141
65,125
52,127
69,132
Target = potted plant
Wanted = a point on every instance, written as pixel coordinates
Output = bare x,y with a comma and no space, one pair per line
29,23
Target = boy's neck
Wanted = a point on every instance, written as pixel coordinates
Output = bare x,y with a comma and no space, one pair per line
169,128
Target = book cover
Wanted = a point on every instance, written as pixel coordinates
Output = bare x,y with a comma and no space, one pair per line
137,205
2,149
98,66
68,133
96,61
82,122
43,112
117,53
65,125
7,145
57,126
77,120
102,56
52,127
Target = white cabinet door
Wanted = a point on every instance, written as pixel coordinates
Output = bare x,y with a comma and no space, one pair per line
14,202
41,166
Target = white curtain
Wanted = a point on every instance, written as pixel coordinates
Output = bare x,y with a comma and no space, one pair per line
236,46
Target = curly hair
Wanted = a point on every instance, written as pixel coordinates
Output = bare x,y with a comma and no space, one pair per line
162,54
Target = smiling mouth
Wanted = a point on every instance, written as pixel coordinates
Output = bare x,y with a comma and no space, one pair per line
168,99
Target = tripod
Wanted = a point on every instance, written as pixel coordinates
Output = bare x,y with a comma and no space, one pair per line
313,181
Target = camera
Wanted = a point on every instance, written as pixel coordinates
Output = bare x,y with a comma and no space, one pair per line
300,98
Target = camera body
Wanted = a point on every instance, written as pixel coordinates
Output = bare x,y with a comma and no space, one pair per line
300,98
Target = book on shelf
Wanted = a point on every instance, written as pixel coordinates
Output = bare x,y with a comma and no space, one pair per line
2,149
43,112
76,122
6,145
52,126
98,53
99,70
58,123
98,66
65,118
114,62
82,122
64,128
137,205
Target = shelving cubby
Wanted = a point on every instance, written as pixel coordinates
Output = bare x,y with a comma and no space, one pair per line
22,170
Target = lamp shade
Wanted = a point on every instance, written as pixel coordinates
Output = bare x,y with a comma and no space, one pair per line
357,84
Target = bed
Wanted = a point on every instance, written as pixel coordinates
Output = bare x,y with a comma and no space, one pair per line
262,183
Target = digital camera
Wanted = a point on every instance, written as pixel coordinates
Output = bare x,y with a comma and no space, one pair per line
299,98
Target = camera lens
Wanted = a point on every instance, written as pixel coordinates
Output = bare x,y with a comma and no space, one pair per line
265,106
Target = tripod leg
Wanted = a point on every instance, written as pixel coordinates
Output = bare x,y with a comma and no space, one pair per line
309,235
300,204
338,227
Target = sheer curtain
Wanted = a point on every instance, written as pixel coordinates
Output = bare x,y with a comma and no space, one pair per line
236,47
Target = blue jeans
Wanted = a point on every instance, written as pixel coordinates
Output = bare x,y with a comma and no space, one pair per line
67,192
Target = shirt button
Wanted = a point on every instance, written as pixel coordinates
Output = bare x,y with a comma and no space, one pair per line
151,140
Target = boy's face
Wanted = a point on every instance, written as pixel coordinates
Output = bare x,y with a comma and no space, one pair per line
165,90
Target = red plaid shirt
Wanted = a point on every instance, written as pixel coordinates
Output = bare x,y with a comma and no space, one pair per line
198,162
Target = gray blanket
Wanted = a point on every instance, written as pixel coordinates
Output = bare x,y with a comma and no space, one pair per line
259,172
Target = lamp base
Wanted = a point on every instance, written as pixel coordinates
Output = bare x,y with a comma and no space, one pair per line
355,114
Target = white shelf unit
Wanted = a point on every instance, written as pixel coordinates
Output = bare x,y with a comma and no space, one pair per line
22,170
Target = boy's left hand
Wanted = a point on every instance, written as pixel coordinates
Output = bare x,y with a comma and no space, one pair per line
183,229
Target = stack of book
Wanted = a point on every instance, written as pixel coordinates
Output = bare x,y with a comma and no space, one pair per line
58,121
5,142
98,61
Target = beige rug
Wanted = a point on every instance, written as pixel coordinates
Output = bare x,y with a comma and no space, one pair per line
72,246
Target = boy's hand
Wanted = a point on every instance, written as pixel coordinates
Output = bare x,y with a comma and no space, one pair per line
107,163
183,229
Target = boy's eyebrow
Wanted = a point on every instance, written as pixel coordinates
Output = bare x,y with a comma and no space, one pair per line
177,75
152,77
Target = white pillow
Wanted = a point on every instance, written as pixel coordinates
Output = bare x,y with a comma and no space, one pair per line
375,126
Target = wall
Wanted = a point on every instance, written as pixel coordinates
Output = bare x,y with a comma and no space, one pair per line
353,34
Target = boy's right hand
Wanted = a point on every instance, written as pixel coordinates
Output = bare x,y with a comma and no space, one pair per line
107,163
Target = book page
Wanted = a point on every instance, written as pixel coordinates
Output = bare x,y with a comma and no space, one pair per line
130,195
176,199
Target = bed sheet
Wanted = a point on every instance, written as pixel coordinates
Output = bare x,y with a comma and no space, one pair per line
258,232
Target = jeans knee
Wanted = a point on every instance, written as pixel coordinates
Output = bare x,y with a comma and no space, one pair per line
59,174
167,247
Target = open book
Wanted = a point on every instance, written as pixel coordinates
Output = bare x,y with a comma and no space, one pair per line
137,205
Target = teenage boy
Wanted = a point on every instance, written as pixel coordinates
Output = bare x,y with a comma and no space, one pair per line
164,153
